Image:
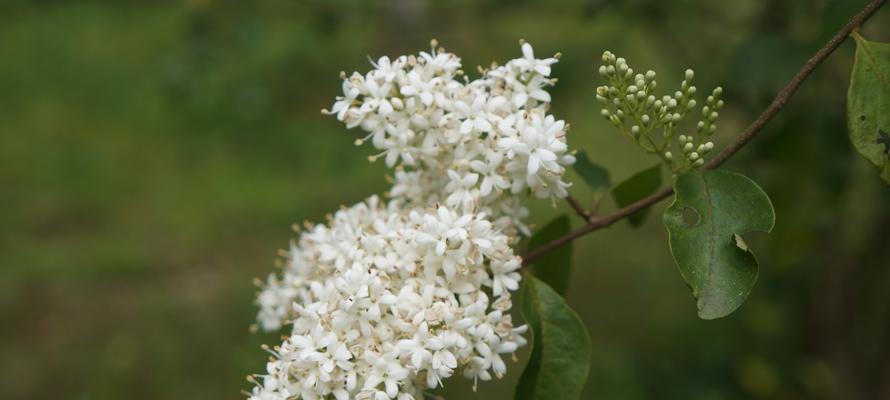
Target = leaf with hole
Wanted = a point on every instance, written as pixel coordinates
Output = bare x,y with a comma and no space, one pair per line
560,354
710,212
868,103
553,267
595,175
635,188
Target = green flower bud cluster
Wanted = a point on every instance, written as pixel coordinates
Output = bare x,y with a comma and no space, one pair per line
630,103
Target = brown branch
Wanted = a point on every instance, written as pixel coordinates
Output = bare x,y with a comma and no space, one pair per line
583,213
741,140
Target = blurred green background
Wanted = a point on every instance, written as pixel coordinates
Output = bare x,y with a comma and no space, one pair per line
154,155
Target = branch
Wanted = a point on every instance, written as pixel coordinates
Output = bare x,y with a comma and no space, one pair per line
782,98
583,213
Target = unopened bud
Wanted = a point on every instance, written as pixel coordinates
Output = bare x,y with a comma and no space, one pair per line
690,74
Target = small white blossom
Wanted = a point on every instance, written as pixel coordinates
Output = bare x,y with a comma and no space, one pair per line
419,114
395,303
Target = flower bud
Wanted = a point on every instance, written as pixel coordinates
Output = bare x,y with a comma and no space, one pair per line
668,155
690,74
693,156
688,147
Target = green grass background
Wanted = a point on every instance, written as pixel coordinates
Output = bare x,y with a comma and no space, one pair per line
154,155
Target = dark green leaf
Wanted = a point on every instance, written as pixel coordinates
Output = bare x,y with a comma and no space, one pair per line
595,175
868,103
710,212
560,359
554,267
637,187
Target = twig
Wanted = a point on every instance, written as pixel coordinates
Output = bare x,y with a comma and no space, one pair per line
741,140
578,208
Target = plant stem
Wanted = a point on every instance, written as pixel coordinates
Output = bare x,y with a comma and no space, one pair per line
780,101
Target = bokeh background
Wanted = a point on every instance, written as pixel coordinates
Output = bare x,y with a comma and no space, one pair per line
154,155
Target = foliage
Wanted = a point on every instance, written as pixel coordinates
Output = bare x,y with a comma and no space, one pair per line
868,101
560,356
635,188
711,211
554,268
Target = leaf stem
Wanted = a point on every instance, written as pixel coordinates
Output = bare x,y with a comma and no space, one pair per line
780,101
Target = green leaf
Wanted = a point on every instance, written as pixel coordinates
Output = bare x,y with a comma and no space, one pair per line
560,359
554,267
637,187
710,212
868,103
595,175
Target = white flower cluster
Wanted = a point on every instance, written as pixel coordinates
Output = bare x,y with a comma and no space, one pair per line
460,142
386,301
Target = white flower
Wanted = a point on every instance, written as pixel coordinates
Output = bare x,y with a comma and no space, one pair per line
395,301
418,114
388,299
528,62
